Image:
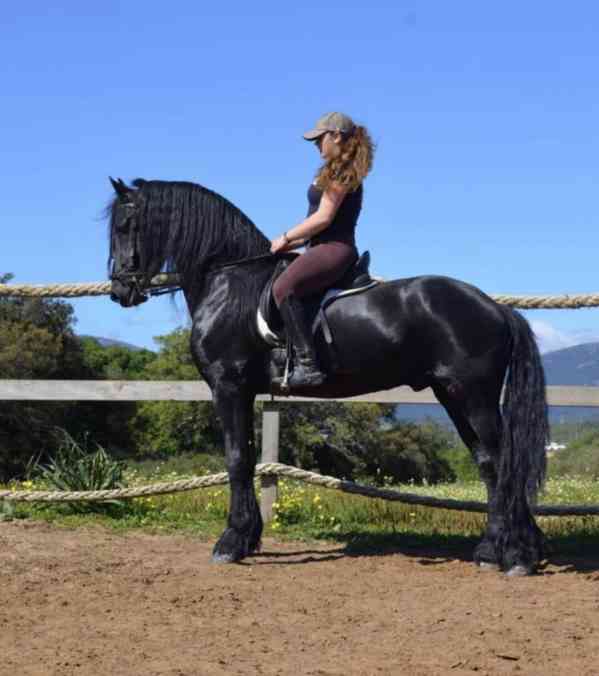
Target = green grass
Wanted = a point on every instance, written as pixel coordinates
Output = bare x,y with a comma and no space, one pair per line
185,464
306,512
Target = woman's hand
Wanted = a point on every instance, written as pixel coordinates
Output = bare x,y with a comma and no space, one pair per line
279,244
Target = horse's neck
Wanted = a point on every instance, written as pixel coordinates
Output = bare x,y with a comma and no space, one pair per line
235,286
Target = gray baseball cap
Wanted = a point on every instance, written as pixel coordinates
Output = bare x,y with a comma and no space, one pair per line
330,122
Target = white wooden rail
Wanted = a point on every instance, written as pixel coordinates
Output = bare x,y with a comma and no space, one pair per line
190,390
146,390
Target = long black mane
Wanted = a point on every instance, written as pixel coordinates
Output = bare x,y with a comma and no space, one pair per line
185,228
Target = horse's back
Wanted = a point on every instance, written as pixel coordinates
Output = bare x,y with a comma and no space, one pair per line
417,323
424,297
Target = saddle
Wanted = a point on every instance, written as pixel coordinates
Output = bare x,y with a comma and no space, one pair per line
270,325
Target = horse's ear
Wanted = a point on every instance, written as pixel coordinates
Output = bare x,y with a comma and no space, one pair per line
121,188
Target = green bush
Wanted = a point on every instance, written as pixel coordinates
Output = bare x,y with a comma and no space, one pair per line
410,452
75,468
461,463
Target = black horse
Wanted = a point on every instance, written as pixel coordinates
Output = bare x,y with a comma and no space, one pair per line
427,331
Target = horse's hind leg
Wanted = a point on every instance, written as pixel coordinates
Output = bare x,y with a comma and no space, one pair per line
479,426
515,547
235,408
486,422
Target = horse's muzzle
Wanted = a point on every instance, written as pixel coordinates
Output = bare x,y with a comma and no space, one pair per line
127,295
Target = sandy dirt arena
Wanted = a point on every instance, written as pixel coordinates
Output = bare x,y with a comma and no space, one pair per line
89,601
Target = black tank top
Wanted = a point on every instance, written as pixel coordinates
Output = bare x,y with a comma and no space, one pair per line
343,226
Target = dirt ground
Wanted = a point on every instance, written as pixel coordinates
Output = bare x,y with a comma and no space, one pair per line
89,601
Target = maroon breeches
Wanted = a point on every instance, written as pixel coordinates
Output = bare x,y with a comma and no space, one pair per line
316,269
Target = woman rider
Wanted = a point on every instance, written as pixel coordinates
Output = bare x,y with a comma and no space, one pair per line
335,201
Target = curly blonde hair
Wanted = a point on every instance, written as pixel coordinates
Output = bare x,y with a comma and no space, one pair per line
352,165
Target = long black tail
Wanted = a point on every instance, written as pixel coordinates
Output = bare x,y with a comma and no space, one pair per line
524,436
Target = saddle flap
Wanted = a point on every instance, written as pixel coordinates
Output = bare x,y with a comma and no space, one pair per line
270,324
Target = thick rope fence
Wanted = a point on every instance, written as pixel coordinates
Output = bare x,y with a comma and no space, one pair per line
556,302
65,290
280,469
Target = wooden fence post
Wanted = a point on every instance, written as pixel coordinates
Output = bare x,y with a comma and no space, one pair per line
270,453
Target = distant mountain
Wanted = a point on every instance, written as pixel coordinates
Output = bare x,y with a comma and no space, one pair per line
109,342
578,365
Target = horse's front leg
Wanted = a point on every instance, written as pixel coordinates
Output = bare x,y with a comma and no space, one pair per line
235,407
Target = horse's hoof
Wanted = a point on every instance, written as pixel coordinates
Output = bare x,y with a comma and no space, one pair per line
230,548
487,565
518,571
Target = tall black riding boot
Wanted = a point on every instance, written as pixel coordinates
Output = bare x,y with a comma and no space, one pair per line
305,367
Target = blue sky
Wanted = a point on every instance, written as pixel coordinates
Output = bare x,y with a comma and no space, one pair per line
485,116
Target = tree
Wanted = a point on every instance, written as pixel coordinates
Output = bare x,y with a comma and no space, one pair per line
172,427
36,341
360,439
108,422
37,338
115,362
410,452
330,435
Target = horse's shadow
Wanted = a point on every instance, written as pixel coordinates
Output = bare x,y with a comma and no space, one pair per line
365,544
575,553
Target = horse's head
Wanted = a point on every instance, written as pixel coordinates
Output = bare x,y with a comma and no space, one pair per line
127,279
